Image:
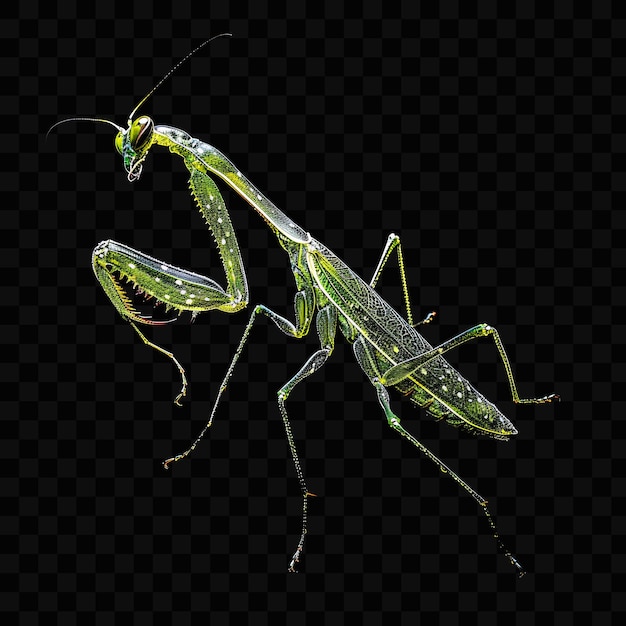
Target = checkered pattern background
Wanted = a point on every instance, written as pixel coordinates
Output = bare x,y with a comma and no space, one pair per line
488,138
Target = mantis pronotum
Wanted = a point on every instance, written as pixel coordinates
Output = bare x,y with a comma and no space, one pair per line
388,348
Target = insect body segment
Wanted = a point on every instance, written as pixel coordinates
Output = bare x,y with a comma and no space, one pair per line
387,346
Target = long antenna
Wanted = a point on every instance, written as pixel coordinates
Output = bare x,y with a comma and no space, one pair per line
183,60
85,119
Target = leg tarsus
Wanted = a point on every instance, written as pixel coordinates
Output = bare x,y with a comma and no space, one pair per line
427,320
183,390
295,559
553,397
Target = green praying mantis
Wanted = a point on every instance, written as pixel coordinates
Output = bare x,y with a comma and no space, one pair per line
387,346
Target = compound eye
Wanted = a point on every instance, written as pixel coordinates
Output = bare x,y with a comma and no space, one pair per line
140,132
119,140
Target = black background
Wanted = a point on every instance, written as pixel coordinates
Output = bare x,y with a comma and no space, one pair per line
488,138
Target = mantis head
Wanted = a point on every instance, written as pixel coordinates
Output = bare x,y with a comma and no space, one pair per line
134,144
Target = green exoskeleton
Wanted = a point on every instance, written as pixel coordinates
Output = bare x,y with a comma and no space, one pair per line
387,346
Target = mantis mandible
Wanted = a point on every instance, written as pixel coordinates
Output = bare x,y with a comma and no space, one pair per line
387,346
